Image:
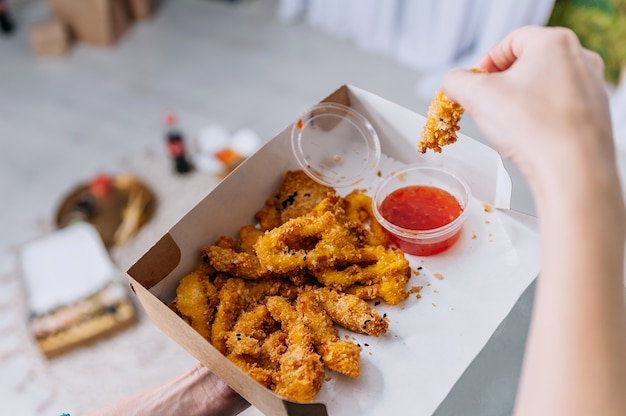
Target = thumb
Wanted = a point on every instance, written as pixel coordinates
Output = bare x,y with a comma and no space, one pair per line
460,84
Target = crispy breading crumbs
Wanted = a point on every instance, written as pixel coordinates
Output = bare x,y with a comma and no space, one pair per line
416,289
438,276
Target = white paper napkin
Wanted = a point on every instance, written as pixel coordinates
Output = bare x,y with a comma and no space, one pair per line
64,267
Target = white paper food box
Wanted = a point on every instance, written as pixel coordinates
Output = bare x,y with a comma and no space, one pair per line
467,291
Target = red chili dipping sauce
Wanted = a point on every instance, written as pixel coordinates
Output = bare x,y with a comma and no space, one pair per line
421,208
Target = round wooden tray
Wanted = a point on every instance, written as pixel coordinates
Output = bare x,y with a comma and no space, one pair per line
117,215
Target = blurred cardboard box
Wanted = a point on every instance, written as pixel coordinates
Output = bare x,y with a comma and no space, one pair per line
49,39
96,22
141,9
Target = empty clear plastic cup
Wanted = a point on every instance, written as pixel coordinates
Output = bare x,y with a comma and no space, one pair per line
335,145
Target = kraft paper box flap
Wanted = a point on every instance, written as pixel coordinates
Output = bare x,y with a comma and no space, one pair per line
467,291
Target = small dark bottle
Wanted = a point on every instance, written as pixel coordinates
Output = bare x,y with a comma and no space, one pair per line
176,145
7,25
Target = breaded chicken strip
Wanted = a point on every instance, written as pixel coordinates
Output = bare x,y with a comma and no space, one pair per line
385,278
196,299
248,235
252,368
301,369
338,355
272,348
251,327
297,195
359,210
227,260
309,242
351,312
232,302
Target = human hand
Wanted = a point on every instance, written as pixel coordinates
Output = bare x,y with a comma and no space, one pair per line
543,102
196,392
210,394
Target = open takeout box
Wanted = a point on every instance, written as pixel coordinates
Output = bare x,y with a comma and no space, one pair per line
466,292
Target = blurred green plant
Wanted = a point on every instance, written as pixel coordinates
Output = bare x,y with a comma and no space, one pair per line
601,27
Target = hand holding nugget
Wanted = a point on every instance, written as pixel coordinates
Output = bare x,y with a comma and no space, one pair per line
544,106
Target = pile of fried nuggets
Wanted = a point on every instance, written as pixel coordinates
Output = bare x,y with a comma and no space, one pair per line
271,299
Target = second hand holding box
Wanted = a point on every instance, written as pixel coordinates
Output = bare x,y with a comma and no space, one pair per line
467,291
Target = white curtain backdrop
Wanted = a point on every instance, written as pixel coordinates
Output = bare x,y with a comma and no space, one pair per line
431,36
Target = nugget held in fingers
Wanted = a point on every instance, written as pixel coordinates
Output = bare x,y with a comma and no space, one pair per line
442,123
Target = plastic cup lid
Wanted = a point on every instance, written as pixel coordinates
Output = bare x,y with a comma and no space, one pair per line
335,145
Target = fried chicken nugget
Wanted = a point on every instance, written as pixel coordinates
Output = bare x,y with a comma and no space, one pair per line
252,368
337,355
248,234
359,209
256,323
384,278
256,291
227,260
309,242
196,299
352,312
301,369
231,303
442,124
251,327
272,348
240,344
234,297
297,195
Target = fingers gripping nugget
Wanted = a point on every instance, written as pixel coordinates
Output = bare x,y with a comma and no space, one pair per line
442,123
